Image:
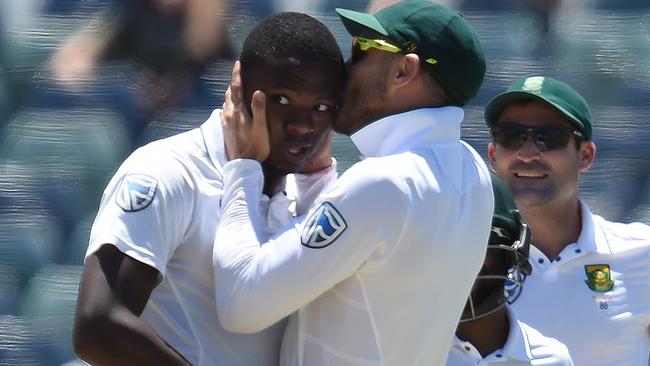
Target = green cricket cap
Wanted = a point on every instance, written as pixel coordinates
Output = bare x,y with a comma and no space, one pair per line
433,32
547,90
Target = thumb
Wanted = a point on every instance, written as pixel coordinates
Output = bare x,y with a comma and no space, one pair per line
261,135
258,106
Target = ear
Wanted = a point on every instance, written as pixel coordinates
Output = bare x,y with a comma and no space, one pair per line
406,70
587,154
491,152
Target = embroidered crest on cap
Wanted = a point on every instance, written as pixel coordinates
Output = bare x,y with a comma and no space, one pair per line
599,277
136,192
322,227
533,84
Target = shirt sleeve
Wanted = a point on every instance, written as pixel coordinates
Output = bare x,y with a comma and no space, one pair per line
259,283
145,210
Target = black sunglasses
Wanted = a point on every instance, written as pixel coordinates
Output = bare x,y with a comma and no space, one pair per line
513,136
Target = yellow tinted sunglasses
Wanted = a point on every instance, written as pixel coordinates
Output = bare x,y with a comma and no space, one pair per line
380,44
383,45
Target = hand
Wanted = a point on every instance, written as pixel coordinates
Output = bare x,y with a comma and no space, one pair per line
321,158
244,136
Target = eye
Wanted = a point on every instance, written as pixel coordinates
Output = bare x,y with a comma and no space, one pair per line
323,107
281,99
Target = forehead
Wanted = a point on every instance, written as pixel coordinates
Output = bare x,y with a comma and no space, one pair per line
291,74
533,112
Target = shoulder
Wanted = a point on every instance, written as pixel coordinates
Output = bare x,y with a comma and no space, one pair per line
374,176
552,351
628,233
169,162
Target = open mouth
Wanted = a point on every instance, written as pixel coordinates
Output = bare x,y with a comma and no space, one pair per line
296,153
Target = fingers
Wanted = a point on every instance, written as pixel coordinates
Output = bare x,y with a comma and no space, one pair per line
258,107
235,84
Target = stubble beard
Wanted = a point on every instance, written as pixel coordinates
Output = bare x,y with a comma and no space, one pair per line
362,105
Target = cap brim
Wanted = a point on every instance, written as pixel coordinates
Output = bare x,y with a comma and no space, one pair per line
498,103
358,24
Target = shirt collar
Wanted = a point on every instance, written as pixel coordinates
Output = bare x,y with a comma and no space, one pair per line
404,131
516,346
592,238
213,138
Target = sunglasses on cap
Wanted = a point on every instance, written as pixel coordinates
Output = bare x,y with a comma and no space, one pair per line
363,44
513,136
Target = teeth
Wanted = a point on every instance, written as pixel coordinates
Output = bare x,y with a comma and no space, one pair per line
530,175
295,150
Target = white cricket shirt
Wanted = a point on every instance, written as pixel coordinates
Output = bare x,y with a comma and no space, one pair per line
381,267
606,325
524,346
161,208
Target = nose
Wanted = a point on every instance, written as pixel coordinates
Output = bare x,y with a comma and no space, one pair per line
528,151
301,124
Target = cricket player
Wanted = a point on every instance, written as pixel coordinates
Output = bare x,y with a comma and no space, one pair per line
590,282
489,332
368,269
147,294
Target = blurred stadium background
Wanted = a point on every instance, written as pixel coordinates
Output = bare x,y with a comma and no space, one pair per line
67,119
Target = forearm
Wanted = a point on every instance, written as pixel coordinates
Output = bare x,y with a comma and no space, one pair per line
236,246
121,338
259,282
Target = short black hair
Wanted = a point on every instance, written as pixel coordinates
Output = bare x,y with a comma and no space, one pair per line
290,35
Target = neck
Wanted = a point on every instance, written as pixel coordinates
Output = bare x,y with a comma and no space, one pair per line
272,180
488,333
554,227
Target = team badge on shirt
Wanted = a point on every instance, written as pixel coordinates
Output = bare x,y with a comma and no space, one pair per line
322,227
599,277
136,192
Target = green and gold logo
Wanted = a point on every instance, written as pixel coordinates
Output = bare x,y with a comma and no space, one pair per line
409,46
533,84
599,277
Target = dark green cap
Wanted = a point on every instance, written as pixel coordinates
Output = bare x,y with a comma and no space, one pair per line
433,32
547,90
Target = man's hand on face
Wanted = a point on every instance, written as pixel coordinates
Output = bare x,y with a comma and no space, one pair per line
320,158
245,136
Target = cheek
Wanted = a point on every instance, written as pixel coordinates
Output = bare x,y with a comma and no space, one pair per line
501,158
323,121
275,121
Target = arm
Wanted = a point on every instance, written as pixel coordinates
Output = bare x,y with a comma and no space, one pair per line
259,283
132,240
107,330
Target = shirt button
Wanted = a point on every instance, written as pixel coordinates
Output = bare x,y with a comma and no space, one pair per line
558,258
578,250
498,355
467,348
540,261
